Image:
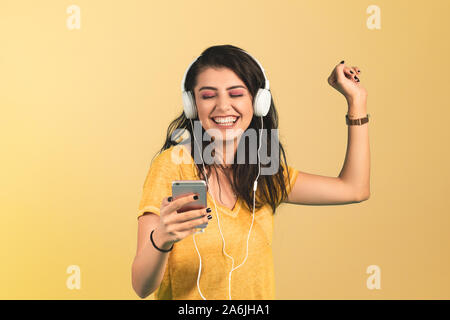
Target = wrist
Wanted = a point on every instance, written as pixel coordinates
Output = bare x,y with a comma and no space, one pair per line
356,102
356,114
356,109
160,241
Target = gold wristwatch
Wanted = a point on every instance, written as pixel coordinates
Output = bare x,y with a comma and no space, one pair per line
358,122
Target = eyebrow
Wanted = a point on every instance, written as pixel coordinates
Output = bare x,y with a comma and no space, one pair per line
213,88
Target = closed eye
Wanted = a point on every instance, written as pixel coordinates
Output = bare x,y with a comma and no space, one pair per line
233,96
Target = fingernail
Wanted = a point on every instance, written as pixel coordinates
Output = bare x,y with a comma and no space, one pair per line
195,197
359,71
342,61
209,217
351,72
208,210
357,78
170,199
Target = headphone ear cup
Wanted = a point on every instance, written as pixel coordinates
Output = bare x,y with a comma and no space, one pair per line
190,110
262,102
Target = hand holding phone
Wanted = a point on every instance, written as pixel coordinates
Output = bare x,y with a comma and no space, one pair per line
185,187
182,216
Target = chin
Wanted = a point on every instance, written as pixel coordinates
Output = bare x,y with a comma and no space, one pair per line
226,134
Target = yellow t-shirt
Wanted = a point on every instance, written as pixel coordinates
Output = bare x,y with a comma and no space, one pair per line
254,280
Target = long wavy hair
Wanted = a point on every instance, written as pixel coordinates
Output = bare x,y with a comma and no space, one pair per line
271,188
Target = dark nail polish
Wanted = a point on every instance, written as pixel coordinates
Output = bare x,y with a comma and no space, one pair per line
209,217
342,61
196,197
170,199
359,71
356,78
351,72
208,210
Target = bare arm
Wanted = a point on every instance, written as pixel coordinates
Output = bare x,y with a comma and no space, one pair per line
149,263
353,183
312,189
356,169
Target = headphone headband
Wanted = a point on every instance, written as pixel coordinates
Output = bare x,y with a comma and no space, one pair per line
267,85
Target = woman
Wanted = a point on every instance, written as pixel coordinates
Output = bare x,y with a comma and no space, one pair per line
224,81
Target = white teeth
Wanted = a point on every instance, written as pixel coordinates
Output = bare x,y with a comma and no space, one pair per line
227,120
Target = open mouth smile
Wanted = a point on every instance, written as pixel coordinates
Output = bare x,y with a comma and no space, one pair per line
227,121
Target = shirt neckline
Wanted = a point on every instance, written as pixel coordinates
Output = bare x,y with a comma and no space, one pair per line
220,207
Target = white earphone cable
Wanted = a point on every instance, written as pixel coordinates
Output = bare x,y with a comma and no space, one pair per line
218,218
254,195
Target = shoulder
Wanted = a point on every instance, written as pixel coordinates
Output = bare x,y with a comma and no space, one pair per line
163,160
172,158
162,168
163,155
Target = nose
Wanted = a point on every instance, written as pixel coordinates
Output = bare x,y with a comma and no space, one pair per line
224,103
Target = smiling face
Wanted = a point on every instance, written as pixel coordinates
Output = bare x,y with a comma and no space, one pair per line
223,102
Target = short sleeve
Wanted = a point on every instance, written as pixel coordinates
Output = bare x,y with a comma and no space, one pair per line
158,183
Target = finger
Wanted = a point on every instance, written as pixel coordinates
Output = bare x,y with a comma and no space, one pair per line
189,232
166,201
190,215
355,73
180,202
340,72
349,74
332,78
186,226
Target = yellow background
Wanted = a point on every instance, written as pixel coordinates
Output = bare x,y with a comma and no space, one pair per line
84,111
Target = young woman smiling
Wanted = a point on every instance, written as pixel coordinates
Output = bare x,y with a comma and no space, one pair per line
224,81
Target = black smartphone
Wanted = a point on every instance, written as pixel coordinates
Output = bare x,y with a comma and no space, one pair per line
185,187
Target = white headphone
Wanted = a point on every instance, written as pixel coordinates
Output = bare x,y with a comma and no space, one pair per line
261,102
261,106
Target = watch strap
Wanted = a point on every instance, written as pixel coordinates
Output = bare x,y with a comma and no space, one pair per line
358,122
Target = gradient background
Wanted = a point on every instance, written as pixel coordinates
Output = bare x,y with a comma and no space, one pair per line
84,111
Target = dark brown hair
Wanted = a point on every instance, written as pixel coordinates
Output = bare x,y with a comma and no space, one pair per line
271,188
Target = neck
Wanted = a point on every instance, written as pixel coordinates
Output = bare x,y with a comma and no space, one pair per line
224,151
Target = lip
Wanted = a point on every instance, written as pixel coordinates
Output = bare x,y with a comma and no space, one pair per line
225,125
229,115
